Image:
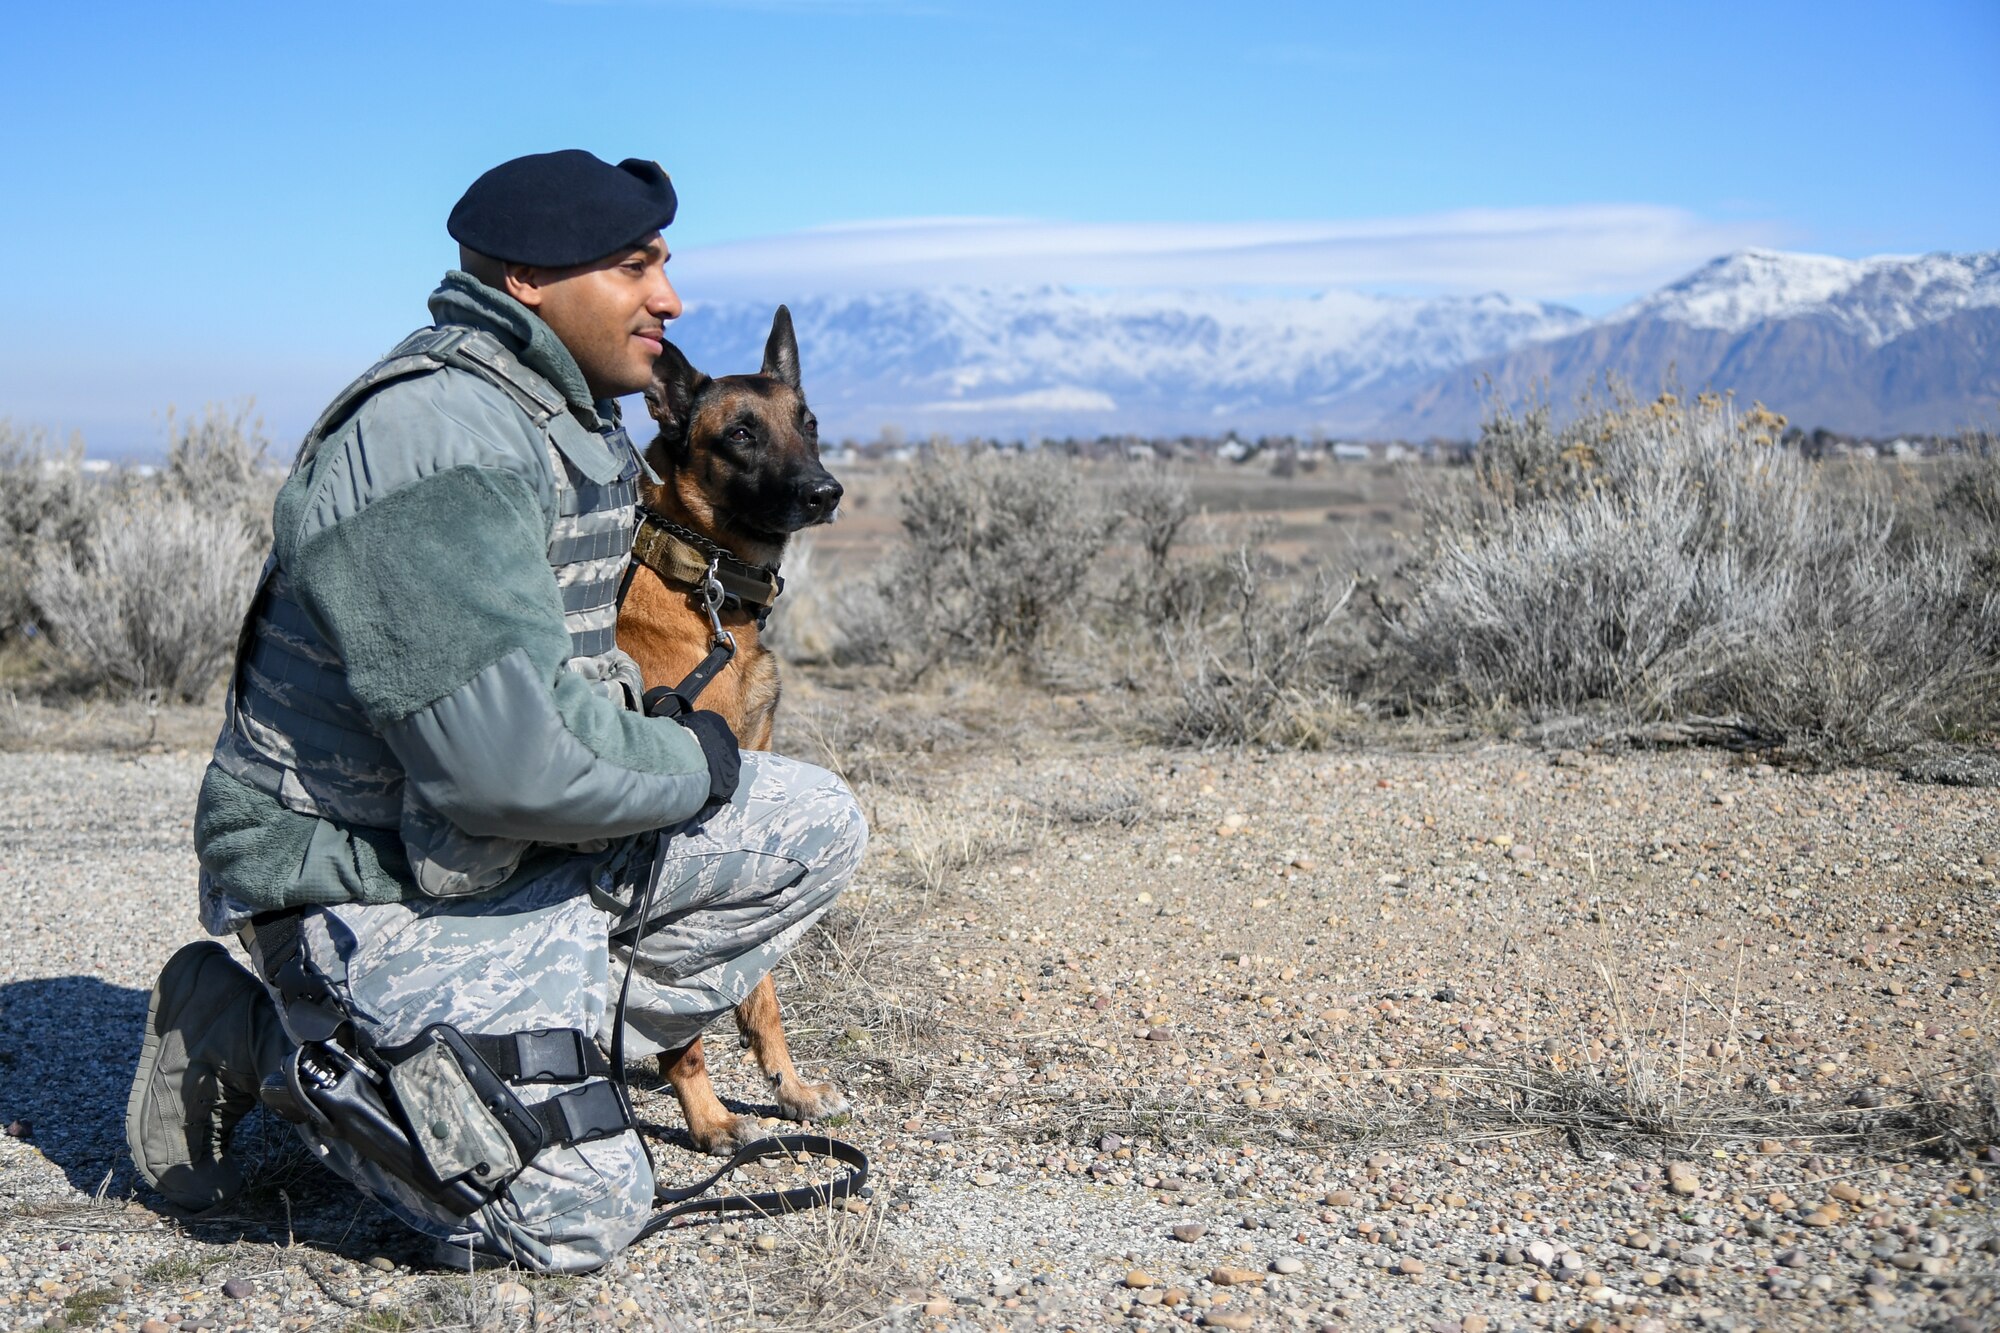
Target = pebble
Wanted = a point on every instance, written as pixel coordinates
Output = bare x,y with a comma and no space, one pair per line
1138,1278
766,1243
1190,1232
382,1263
1682,1179
239,1289
1544,1292
513,1296
1341,1199
1227,1319
1288,1266
1409,1267
1235,1277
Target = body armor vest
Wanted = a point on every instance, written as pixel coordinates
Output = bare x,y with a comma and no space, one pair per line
293,728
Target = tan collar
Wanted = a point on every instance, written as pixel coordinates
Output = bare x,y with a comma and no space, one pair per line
683,558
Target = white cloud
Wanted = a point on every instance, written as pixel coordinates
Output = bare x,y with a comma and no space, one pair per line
1065,399
1542,252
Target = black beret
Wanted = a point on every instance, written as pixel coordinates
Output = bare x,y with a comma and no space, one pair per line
554,210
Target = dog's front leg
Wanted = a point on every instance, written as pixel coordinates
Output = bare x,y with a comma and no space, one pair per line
763,1029
713,1127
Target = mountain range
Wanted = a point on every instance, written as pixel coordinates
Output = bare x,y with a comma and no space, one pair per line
1872,346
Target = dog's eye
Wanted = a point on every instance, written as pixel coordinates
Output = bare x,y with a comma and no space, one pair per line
740,434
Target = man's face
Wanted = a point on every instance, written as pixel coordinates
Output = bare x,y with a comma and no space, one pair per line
611,313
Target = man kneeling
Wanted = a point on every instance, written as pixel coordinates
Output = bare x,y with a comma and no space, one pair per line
434,803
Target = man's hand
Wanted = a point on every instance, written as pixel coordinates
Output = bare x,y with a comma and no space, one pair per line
718,742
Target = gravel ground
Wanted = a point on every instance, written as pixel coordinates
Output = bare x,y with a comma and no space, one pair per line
1480,1039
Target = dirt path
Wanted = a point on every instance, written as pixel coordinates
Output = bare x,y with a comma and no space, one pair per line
1363,1041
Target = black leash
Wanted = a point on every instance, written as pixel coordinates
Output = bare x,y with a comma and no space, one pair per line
685,1201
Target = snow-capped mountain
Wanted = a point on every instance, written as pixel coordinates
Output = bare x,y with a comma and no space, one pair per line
1057,361
1885,344
1878,300
1896,343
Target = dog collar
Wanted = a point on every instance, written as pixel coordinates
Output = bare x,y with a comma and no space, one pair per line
683,557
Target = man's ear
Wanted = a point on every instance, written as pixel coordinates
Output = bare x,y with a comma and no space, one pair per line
670,397
781,350
524,283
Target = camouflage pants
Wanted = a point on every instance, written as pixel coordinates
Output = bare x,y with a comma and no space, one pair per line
736,890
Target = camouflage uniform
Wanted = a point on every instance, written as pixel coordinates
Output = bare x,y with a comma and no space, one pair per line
736,889
432,764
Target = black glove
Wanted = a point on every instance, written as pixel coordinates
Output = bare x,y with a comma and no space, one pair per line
718,742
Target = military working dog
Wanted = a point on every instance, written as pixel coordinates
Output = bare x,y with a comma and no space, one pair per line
739,467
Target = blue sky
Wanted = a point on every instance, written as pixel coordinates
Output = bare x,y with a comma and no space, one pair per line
208,201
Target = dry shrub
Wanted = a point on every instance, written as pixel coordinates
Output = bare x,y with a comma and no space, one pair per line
217,460
1154,505
141,580
155,600
1967,510
1672,560
1263,663
45,508
996,553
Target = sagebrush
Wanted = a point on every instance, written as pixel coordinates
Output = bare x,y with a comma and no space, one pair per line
154,605
996,555
45,508
139,578
1671,559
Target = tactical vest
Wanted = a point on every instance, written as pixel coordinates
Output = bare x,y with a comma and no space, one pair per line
296,732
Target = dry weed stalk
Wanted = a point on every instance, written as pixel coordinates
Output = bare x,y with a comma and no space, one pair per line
834,1270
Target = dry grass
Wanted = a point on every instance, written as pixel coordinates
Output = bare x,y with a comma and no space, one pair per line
936,847
860,735
855,988
833,1269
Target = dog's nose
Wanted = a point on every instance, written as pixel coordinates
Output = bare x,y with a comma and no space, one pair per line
820,497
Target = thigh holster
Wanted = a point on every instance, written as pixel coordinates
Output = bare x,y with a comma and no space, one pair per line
438,1112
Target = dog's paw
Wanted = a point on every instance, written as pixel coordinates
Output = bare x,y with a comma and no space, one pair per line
723,1137
800,1100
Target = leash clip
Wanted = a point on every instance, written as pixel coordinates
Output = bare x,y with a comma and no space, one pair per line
711,599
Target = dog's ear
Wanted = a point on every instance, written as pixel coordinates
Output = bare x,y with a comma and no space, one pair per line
670,397
781,350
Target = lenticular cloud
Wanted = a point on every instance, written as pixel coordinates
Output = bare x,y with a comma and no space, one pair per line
1546,251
